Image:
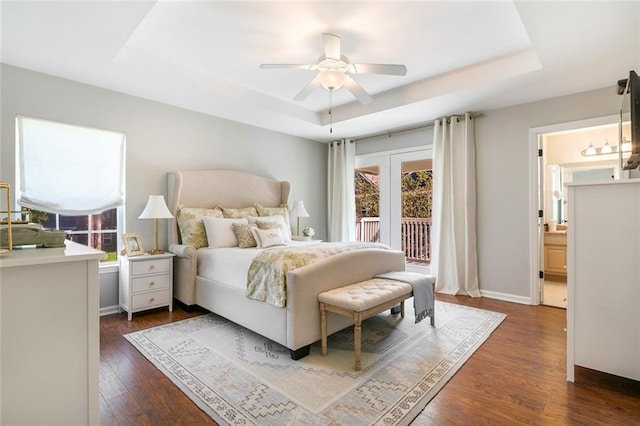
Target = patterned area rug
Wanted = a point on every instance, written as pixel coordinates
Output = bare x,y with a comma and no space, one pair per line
239,377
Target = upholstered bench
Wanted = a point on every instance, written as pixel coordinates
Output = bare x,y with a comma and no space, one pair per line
359,301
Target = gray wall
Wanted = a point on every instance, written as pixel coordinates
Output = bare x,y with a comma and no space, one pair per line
503,159
503,185
161,138
418,139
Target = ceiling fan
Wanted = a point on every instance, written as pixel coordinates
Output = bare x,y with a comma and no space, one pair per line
335,70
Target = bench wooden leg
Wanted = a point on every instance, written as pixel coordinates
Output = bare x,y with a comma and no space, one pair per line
323,328
402,309
357,338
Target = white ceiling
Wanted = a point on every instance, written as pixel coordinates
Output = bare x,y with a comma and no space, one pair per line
204,56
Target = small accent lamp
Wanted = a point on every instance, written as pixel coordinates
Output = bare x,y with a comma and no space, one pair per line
298,211
155,209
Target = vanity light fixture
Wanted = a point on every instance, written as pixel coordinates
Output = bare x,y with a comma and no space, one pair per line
591,150
606,149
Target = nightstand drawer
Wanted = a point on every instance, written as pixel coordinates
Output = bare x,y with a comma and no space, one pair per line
151,266
150,283
147,300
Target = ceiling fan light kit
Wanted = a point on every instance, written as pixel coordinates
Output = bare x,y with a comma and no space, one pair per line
331,79
335,70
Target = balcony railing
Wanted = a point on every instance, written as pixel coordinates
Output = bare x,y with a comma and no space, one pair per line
416,236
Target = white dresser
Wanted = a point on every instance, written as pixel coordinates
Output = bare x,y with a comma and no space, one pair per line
50,345
146,282
603,288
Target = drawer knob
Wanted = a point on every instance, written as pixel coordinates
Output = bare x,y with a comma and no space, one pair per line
152,283
151,267
153,299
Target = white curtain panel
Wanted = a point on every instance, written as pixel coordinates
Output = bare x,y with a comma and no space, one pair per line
455,258
341,191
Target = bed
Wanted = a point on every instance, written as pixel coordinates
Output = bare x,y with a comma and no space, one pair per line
205,277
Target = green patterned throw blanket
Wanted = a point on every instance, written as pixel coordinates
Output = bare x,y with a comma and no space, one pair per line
266,279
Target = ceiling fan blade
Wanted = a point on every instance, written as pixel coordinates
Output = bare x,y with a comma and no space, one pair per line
306,91
356,90
290,66
331,44
388,69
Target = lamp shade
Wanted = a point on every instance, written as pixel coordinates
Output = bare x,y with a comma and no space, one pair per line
298,209
156,208
331,79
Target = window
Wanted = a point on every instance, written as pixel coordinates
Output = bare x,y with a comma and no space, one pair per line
71,178
99,231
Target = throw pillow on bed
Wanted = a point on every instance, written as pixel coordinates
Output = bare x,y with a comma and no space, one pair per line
192,232
238,213
282,210
244,235
268,237
220,231
279,220
267,225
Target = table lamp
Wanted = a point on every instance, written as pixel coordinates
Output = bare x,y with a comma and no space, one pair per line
298,211
155,209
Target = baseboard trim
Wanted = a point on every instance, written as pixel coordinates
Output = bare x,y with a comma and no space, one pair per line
108,310
506,297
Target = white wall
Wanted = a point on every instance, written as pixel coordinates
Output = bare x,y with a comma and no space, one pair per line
161,138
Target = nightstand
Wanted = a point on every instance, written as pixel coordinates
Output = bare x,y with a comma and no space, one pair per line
146,282
307,239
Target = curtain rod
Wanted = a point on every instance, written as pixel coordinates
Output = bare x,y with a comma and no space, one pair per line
411,129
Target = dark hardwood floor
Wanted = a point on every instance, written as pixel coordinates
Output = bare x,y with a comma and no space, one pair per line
518,376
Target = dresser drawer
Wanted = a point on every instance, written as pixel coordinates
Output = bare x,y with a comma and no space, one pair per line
148,300
152,282
151,266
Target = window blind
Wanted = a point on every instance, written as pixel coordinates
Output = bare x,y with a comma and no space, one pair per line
67,169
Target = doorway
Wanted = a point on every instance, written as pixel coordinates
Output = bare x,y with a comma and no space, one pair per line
393,203
564,155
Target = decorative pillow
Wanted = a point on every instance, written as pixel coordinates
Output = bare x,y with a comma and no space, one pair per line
283,211
273,219
268,237
190,224
238,213
267,225
220,231
244,235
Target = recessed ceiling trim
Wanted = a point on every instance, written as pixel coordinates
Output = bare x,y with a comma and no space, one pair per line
487,72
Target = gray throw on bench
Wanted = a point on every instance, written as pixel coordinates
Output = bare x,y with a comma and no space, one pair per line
423,300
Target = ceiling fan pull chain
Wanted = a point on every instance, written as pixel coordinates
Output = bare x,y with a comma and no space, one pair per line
331,111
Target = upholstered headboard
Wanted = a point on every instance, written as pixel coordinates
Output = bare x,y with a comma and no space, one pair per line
226,188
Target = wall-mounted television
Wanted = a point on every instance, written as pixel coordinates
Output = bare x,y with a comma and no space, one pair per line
631,86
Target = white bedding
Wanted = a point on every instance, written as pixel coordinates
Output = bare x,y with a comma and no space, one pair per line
229,265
